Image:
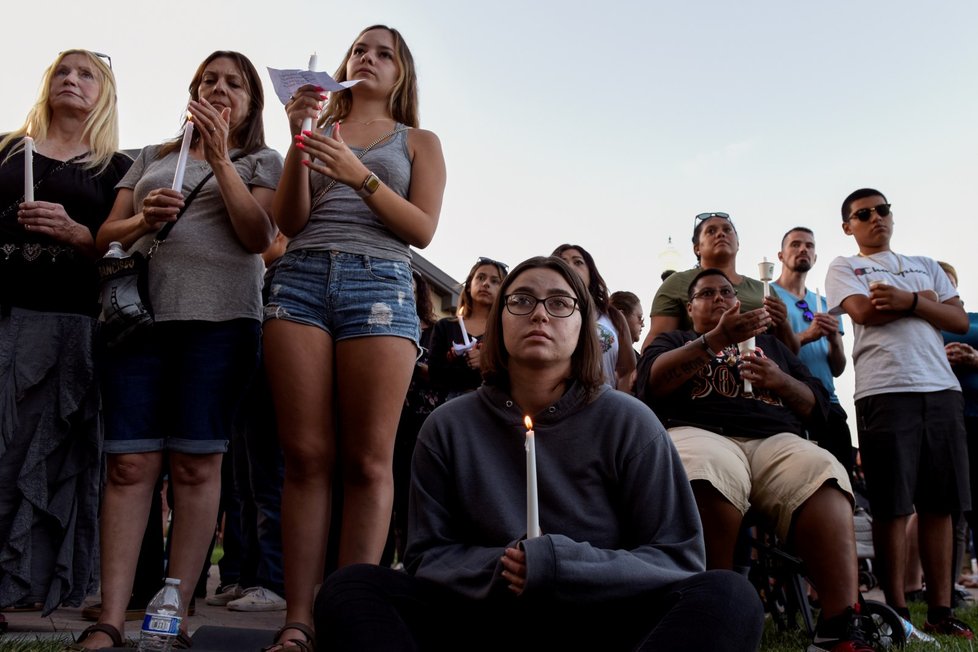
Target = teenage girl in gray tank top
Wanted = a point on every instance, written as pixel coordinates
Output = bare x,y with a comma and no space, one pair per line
340,330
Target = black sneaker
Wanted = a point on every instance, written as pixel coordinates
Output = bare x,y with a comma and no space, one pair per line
950,626
843,633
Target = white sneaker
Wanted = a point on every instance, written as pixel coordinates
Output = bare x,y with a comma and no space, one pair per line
258,598
224,595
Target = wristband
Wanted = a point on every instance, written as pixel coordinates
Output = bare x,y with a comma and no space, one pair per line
913,306
706,347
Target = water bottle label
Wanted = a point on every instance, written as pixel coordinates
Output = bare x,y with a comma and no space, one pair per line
160,624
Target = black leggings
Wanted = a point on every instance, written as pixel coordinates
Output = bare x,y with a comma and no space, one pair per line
373,608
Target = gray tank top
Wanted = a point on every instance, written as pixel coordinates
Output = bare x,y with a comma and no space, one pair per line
341,221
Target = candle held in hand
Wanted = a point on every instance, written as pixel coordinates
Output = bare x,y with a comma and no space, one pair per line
747,346
28,168
313,63
188,132
532,498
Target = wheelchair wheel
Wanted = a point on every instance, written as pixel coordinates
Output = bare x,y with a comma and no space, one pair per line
886,630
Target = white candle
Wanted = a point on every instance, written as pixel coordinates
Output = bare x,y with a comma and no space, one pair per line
188,132
466,340
818,301
28,168
766,271
313,62
532,498
745,347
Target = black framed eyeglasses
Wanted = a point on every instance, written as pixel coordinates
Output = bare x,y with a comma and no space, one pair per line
711,293
806,312
556,306
863,214
489,261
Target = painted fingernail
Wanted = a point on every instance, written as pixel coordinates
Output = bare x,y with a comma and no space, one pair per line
320,89
300,145
305,162
307,132
323,96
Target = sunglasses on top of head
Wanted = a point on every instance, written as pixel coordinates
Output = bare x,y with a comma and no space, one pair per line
705,216
489,261
863,214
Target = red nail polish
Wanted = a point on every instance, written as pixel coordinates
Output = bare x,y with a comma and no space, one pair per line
307,133
300,145
323,96
305,162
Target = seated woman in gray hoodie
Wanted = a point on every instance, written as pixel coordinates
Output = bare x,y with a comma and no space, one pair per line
620,561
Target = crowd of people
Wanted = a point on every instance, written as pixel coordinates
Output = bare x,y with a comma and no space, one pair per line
370,459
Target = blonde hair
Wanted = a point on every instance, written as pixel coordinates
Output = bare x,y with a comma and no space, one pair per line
403,100
101,129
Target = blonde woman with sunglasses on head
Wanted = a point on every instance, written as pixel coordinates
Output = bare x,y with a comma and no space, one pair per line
50,441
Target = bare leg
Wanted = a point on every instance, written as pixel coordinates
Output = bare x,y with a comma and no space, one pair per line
299,365
196,481
890,544
131,479
373,374
721,524
915,573
825,538
936,536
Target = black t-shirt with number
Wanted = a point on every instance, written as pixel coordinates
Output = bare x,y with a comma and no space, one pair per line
714,397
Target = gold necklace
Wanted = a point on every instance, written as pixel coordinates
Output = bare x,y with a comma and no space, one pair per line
899,271
368,122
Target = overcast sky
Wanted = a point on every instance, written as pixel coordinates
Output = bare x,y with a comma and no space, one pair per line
608,124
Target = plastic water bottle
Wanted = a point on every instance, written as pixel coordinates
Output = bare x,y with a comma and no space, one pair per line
914,634
115,250
162,621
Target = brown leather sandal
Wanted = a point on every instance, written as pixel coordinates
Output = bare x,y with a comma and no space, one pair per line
114,634
293,644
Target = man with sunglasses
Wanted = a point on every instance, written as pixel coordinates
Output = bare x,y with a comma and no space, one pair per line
820,335
909,406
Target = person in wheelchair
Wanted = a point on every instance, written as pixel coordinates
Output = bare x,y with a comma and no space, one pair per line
738,421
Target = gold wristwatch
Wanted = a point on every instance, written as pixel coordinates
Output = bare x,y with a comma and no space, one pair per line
369,186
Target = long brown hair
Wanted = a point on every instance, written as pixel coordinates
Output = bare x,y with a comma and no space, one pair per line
465,300
403,101
586,367
250,134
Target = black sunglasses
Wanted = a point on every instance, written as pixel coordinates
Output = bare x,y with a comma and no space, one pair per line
806,313
706,216
108,59
489,261
863,214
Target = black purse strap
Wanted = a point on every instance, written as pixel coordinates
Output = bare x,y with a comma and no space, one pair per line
165,231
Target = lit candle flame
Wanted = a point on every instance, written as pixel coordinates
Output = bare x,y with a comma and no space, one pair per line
529,422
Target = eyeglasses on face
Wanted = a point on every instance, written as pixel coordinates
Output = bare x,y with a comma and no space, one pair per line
556,306
711,293
489,261
806,313
863,214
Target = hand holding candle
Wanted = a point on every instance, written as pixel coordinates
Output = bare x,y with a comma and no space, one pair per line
765,270
747,346
307,122
532,499
28,168
188,132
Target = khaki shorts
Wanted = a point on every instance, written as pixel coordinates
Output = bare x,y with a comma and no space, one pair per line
775,474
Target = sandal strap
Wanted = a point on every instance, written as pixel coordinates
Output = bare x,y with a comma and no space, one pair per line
104,628
308,645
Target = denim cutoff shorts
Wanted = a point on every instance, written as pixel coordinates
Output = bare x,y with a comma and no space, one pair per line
346,295
179,386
